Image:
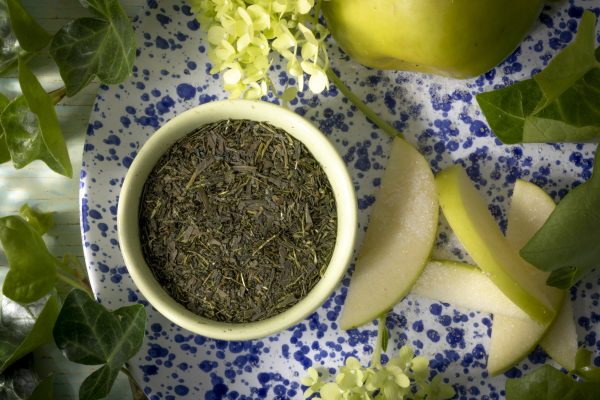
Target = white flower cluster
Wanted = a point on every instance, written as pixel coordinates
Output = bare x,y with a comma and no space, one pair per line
244,34
403,377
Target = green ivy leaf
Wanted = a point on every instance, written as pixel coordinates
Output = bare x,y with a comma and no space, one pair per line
44,390
32,129
89,334
32,37
103,46
40,221
20,381
567,244
4,153
560,104
8,40
32,271
23,328
549,384
584,366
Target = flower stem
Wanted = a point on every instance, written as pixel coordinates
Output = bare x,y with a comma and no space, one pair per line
368,112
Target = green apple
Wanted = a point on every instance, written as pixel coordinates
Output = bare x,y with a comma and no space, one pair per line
466,286
457,38
399,238
530,207
560,342
468,216
463,285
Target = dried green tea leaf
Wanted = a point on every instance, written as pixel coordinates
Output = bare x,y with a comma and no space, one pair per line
32,37
102,46
32,271
32,129
237,221
87,333
23,328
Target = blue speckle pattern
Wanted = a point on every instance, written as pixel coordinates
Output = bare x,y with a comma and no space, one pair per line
439,116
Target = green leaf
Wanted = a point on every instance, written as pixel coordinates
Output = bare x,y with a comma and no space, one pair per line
73,268
571,64
584,366
32,37
44,390
8,40
32,128
89,334
19,382
560,104
385,337
549,384
567,244
40,221
103,46
23,328
4,153
32,271
507,109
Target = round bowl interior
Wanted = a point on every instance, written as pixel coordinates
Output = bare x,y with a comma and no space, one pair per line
129,200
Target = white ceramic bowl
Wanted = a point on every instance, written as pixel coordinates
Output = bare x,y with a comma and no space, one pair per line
320,148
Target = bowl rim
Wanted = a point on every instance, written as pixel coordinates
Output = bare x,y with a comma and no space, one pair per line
184,123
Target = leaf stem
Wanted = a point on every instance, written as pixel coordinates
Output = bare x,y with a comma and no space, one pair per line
71,280
136,390
381,331
58,94
125,370
366,110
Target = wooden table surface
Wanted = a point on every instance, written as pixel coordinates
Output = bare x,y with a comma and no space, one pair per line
45,190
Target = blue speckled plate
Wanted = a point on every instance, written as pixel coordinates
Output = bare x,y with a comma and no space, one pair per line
438,115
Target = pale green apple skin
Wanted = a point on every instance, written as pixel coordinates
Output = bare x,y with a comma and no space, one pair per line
468,216
455,38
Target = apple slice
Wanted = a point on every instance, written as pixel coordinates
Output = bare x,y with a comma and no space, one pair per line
468,216
560,342
399,238
464,285
530,208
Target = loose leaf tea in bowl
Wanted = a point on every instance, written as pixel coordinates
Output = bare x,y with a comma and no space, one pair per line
237,221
